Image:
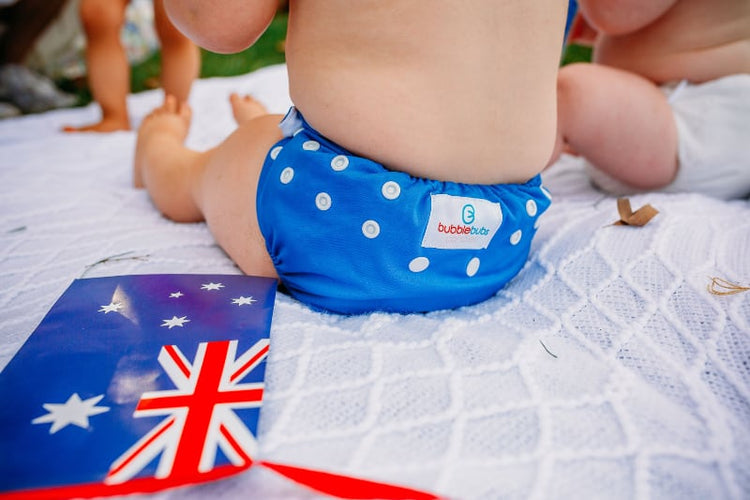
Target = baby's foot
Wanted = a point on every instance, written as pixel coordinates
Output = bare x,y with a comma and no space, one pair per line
169,121
106,125
245,108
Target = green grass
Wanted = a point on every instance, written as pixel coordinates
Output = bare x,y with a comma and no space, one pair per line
576,53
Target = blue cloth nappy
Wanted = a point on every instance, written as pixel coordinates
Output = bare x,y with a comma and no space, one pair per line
348,235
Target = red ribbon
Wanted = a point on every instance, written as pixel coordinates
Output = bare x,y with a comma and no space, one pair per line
336,485
344,486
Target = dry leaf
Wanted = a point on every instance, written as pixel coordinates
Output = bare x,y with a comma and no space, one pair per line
640,217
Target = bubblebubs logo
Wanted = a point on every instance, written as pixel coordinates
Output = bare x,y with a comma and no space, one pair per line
468,216
469,230
458,222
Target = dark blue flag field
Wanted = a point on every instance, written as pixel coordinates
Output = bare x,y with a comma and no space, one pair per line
135,384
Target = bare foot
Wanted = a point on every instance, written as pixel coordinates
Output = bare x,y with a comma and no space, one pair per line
245,108
162,128
106,125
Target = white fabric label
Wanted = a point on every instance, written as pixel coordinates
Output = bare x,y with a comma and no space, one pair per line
461,223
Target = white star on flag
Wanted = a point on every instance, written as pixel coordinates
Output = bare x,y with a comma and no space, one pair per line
111,307
241,301
175,321
73,411
212,286
176,295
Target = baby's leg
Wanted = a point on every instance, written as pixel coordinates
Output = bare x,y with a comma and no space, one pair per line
162,133
620,122
218,186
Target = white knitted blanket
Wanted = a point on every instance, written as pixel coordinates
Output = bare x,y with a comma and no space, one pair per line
605,369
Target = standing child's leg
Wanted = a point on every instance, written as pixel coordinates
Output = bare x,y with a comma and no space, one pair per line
180,58
217,186
107,63
620,122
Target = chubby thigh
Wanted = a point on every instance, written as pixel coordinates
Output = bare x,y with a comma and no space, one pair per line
620,122
227,189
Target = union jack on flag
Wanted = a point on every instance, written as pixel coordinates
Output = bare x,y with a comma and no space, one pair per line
136,384
202,407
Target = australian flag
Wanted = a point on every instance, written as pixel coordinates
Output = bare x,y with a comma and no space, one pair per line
135,384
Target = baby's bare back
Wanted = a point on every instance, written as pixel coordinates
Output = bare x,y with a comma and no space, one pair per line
451,90
696,40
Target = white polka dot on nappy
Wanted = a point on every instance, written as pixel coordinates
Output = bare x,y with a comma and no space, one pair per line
311,145
275,152
391,190
419,264
472,267
298,131
323,201
371,229
531,208
545,192
287,175
515,237
339,163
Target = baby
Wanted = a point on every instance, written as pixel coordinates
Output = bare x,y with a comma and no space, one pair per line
667,103
405,178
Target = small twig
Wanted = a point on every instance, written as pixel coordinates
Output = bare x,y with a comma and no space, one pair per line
548,351
114,258
17,229
720,286
600,200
